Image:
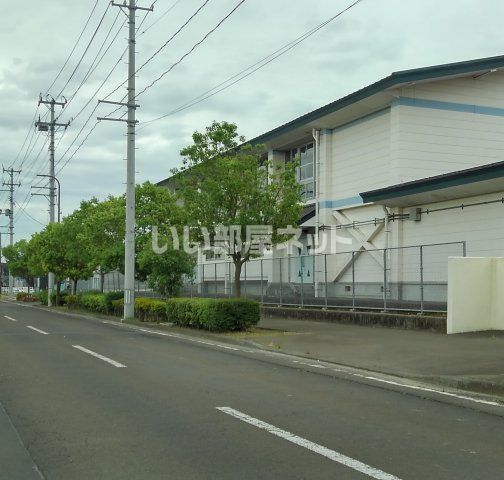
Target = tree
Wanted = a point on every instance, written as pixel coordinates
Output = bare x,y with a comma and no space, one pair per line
17,257
103,227
103,230
223,184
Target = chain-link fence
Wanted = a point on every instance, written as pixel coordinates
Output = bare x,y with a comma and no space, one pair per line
411,278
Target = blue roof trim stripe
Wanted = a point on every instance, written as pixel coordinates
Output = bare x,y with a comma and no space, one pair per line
450,106
344,202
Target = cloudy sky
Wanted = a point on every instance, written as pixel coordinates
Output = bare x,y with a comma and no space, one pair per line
369,42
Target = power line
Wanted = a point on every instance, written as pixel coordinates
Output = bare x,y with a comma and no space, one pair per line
25,212
166,12
85,50
30,129
162,46
93,111
251,69
97,60
74,47
194,47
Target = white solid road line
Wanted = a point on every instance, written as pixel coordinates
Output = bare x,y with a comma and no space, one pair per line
101,357
10,318
430,390
37,330
314,447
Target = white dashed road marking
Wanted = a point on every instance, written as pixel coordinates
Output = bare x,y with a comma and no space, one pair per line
314,447
10,318
101,357
37,330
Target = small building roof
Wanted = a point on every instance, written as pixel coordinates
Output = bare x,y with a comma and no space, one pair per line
459,184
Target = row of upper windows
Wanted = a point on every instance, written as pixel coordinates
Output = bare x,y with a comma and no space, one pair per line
305,170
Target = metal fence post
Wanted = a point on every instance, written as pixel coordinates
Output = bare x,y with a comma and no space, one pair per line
281,293
202,280
421,280
325,279
230,281
262,282
464,249
353,280
301,272
384,279
245,280
215,280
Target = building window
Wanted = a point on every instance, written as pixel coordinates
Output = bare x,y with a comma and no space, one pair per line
306,169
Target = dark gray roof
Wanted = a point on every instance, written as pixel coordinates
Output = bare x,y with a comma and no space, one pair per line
438,182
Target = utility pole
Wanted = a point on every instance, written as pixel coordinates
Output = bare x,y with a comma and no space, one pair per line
51,128
49,188
129,253
10,213
1,264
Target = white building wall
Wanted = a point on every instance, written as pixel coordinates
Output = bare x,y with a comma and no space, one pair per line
482,227
433,137
360,157
487,90
431,142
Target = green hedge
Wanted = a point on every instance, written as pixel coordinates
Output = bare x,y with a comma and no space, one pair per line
94,302
73,301
146,309
42,295
110,297
214,315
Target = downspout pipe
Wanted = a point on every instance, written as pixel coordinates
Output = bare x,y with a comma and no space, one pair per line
316,137
387,245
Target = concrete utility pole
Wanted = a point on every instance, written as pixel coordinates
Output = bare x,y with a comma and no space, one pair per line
129,254
51,128
10,213
1,264
49,188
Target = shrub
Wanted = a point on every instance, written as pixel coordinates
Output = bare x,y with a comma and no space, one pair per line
214,315
94,302
146,309
110,297
62,297
42,295
118,307
25,297
73,301
150,309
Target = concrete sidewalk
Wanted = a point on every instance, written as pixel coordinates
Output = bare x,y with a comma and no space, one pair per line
472,361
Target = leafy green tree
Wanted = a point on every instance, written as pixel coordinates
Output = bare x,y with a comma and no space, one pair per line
223,184
17,257
102,229
165,272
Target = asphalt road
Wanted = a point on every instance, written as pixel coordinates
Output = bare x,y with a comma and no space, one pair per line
83,399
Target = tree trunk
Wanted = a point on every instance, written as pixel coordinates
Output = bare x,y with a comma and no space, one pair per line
58,291
74,286
237,279
102,282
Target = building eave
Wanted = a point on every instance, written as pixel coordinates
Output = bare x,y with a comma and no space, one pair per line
463,183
